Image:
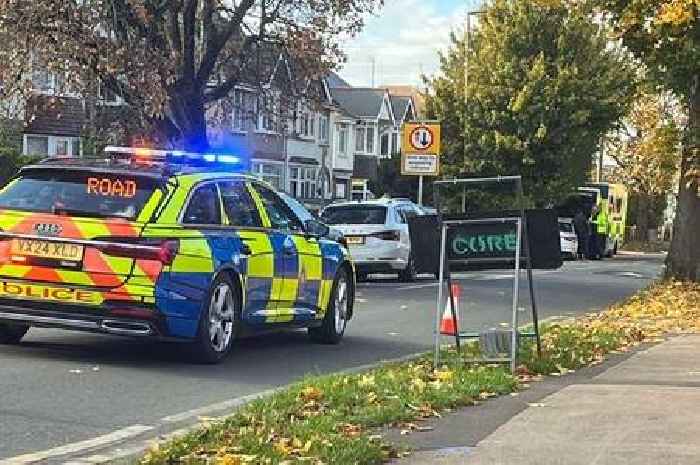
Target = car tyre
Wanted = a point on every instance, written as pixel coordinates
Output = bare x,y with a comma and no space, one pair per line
335,320
409,274
11,333
219,322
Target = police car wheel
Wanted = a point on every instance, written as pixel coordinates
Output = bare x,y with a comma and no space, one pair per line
11,333
335,321
219,322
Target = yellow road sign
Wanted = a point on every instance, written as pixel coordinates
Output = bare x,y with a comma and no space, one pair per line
420,149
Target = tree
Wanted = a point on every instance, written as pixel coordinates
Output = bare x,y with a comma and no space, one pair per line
173,60
665,36
646,151
390,182
543,86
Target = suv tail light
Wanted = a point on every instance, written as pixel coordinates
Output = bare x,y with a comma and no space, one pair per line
388,235
162,250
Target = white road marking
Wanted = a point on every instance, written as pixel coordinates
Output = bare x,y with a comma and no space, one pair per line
220,406
76,447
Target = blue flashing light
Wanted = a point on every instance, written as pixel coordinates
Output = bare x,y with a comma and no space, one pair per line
228,159
223,161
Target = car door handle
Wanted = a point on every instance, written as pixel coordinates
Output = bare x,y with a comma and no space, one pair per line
289,249
245,249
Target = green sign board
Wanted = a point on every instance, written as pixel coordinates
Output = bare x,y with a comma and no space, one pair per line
479,241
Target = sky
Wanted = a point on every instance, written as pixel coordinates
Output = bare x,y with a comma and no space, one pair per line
403,40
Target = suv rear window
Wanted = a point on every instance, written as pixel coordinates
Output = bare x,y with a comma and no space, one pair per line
78,193
355,214
566,227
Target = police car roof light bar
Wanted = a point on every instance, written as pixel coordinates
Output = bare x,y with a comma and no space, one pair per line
137,155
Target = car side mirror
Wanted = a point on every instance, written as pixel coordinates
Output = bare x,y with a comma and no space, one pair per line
316,228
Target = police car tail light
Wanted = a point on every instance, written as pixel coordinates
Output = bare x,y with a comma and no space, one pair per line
163,251
388,235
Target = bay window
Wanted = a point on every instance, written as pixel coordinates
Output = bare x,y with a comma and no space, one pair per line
269,172
302,182
364,139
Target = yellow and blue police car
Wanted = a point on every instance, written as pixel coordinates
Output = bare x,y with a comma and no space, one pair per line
165,244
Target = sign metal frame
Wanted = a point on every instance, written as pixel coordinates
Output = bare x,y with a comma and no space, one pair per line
522,246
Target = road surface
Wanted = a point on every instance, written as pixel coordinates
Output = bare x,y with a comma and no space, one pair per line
60,389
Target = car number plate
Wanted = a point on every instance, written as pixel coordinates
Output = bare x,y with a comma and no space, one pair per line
355,240
46,249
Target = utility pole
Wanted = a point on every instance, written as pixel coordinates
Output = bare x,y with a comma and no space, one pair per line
601,154
467,51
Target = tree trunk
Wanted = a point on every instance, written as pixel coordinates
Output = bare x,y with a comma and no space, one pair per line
643,207
188,115
683,260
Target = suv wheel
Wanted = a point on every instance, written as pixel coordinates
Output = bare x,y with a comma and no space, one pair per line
219,323
11,333
409,273
335,321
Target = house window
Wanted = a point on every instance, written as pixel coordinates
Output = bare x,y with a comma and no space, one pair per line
63,148
269,172
343,134
37,145
323,128
51,146
370,140
241,110
340,189
267,119
46,82
384,145
360,139
364,139
42,80
302,182
307,124
395,148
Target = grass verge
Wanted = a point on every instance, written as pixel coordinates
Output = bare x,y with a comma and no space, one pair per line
668,307
333,419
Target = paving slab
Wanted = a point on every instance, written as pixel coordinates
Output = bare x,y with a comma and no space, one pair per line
644,411
675,362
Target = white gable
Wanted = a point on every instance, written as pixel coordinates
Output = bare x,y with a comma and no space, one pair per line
385,109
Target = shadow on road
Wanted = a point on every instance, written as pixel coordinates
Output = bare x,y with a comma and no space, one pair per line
258,357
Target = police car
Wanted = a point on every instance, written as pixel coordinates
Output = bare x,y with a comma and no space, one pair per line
165,244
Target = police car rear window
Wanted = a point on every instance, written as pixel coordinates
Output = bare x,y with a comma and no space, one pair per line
78,194
355,214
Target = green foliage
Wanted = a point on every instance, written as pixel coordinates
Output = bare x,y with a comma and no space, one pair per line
664,35
544,85
389,181
11,158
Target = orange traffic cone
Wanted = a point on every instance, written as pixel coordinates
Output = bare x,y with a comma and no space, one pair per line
448,325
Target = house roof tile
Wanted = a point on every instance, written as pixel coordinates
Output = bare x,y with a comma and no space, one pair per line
358,101
57,116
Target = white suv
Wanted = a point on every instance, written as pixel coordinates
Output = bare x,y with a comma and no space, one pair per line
376,232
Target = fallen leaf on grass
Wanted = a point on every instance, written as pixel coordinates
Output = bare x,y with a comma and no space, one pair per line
349,430
310,393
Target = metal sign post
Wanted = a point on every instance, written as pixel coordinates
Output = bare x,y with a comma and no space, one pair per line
521,246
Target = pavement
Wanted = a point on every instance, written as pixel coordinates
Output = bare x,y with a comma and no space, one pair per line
65,395
642,410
